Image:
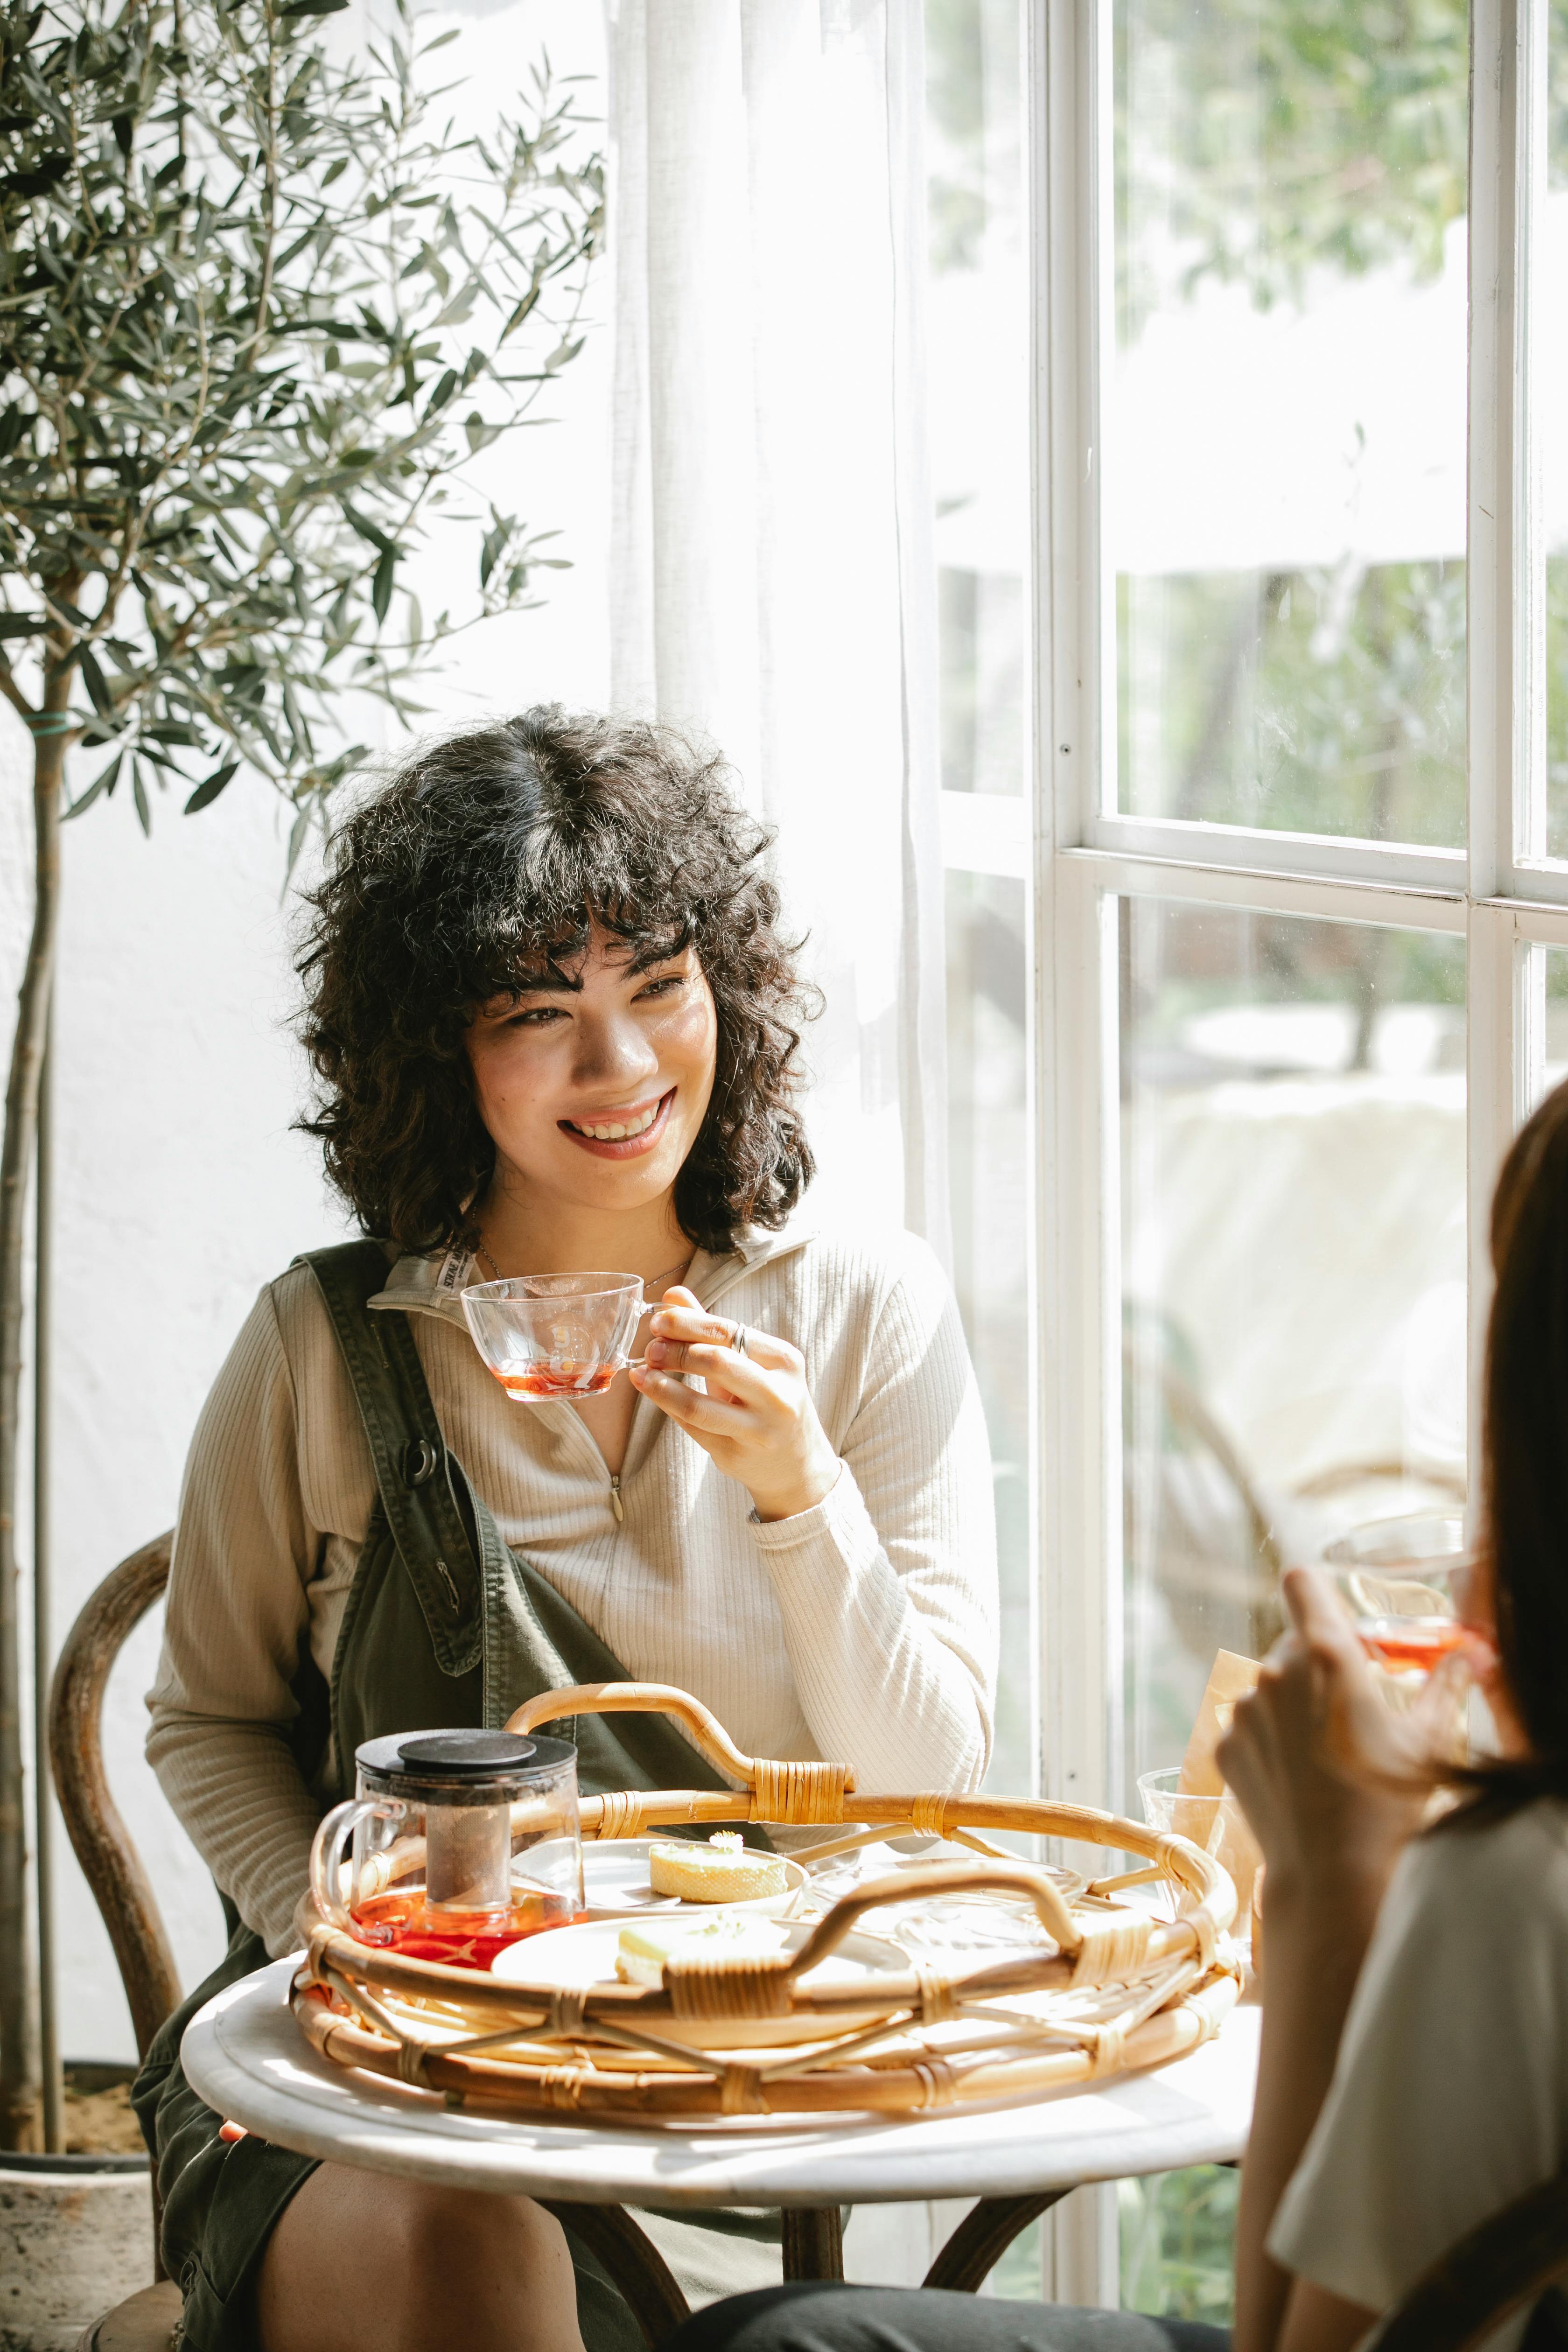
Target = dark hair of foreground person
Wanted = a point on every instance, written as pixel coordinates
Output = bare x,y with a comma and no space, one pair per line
1525,1468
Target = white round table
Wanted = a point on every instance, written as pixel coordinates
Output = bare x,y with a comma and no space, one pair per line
247,2059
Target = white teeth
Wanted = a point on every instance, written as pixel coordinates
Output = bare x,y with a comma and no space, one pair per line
619,1134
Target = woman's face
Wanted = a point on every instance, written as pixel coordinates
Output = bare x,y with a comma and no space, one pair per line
595,1091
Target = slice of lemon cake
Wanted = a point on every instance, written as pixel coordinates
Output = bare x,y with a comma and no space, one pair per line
723,1871
644,1947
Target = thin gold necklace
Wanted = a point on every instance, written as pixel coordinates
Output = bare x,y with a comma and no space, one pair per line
653,1283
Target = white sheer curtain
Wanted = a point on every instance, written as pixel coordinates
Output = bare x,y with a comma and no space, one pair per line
772,580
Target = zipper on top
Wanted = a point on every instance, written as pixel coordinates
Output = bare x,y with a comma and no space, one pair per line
615,1496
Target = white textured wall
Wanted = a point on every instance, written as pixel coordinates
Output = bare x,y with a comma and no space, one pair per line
180,1188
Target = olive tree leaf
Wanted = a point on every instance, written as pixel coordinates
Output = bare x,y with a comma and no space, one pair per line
102,783
207,791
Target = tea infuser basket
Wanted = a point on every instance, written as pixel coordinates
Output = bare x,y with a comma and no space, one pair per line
1109,1987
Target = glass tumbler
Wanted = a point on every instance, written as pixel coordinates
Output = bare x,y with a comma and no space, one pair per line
1215,1823
456,1844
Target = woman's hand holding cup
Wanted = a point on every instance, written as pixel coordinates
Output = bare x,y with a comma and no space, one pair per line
1331,1780
757,1420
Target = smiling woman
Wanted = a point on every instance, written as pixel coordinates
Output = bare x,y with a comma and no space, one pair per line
555,1023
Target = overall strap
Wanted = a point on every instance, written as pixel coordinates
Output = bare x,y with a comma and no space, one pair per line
490,1613
424,1491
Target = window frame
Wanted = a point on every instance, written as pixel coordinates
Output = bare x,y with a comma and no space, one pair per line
1081,856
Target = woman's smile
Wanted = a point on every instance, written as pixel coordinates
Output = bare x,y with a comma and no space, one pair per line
621,1134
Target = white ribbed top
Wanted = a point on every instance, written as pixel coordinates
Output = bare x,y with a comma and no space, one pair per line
864,1630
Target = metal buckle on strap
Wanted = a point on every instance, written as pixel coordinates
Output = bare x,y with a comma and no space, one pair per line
420,1462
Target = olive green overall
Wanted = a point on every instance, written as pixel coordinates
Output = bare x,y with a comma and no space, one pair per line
444,1625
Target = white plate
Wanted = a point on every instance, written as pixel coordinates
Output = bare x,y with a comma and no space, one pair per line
616,1885
585,1954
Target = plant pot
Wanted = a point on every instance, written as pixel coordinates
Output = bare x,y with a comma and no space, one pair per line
75,2237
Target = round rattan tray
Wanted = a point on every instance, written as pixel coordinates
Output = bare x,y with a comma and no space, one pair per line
1111,1988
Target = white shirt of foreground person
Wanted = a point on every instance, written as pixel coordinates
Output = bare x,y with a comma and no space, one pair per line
1449,2097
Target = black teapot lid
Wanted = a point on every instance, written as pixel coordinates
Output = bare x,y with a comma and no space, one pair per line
472,1764
465,1752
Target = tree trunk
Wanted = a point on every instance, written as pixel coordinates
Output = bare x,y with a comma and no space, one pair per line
18,2056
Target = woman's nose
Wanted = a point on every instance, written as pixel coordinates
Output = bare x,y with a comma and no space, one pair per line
613,1049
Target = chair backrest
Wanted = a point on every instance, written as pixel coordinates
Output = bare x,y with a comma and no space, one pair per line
1506,2263
104,1846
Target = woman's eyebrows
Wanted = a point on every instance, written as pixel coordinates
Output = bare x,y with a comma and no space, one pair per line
554,982
551,982
645,958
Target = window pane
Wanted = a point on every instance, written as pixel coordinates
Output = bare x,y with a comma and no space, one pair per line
1178,2242
1293,1311
987,996
1549,1020
977,384
1285,496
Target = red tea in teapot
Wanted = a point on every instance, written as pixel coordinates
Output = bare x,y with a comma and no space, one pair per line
464,1840
463,1940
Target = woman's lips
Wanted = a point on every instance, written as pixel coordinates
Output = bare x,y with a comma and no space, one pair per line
626,1147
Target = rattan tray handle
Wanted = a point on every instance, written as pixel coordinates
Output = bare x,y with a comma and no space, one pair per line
927,1879
785,1793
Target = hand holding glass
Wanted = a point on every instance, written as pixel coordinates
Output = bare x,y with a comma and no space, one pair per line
555,1335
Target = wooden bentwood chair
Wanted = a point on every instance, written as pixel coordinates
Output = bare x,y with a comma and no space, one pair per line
1504,2265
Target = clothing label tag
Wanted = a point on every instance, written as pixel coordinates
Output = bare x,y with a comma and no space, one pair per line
457,1272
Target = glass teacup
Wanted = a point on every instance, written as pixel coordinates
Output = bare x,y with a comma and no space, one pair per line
1406,1583
555,1335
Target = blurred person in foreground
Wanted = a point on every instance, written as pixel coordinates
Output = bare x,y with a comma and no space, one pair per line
1414,2078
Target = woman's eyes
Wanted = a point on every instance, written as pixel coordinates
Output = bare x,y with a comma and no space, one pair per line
540,1016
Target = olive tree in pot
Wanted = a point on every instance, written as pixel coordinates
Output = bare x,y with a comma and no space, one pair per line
259,309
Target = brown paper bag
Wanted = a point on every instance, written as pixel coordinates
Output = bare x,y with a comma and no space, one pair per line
1228,1839
1230,1678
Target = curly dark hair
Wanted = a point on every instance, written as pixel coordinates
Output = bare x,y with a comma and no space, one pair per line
479,866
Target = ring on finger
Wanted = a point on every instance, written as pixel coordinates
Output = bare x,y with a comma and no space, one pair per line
738,1337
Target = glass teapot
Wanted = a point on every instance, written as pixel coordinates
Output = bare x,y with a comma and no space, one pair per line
462,1842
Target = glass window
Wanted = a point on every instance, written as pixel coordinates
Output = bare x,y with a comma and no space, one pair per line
1293,1331
1546,1020
1178,2249
1554,1036
1285,435
1293,1267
